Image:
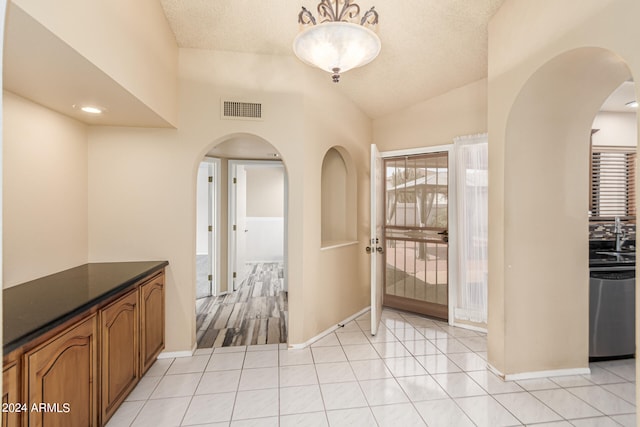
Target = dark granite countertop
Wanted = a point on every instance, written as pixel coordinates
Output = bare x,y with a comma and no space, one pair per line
33,308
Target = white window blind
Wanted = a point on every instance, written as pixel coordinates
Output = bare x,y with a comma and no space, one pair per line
613,176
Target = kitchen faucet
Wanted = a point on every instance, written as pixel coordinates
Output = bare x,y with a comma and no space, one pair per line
620,234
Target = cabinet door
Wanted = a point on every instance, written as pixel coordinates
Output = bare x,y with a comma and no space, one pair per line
11,399
151,321
119,351
62,376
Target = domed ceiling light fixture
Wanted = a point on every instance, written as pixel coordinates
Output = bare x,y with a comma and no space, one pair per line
341,41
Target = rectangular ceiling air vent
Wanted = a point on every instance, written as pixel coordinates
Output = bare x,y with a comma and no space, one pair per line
241,110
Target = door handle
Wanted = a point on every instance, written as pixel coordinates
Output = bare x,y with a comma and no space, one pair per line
380,250
371,250
368,249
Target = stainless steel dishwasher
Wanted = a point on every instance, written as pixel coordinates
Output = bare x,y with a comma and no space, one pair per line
612,312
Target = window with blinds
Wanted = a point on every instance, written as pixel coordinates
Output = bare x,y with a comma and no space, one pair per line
613,178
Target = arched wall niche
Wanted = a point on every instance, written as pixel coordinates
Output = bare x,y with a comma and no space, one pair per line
338,198
544,311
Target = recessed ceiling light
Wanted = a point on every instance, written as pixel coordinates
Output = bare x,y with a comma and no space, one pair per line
90,109
632,104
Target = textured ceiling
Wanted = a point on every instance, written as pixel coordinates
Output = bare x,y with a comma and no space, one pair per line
428,46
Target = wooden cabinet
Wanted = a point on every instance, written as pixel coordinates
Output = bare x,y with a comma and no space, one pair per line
119,352
77,373
151,321
12,407
62,374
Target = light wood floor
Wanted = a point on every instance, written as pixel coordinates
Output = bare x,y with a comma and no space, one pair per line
256,313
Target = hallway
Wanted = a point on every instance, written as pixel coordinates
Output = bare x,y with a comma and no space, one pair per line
256,313
415,372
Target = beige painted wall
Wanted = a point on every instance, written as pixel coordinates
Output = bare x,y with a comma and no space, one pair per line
540,114
45,197
142,183
139,54
3,7
436,121
265,195
347,291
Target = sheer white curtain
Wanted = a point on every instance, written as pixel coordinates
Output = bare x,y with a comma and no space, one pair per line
471,169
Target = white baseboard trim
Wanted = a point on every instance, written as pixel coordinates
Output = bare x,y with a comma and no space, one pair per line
174,354
495,371
328,331
467,326
540,374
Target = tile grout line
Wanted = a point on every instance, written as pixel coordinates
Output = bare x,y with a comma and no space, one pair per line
473,381
430,376
360,385
378,352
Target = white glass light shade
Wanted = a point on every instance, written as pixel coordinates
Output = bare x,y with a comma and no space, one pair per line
339,45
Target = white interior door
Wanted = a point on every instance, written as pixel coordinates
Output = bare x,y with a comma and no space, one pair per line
240,226
376,244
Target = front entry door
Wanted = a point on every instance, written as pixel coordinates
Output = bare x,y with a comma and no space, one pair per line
375,248
416,234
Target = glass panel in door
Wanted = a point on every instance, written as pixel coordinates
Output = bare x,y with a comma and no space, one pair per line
416,234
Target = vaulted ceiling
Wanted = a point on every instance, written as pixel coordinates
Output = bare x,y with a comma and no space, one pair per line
429,47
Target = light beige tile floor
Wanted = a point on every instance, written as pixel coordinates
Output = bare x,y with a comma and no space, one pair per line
415,372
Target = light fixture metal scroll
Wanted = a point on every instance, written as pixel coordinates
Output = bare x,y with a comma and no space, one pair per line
339,43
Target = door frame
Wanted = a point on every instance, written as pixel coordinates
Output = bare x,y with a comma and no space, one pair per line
215,188
231,241
452,215
376,237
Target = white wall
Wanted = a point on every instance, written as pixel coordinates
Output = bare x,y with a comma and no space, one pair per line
265,239
45,191
265,191
616,129
265,213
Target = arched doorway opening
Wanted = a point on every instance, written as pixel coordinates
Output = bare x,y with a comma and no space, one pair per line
241,244
546,251
612,226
